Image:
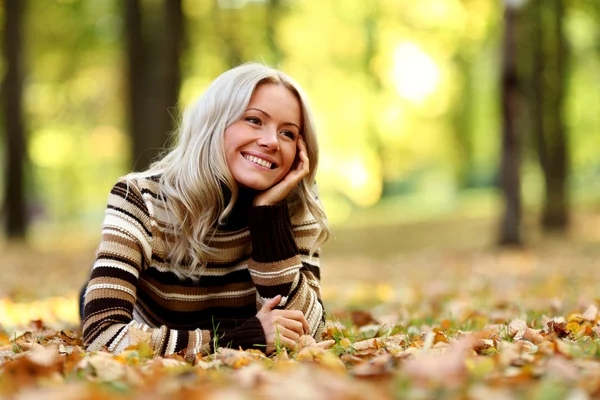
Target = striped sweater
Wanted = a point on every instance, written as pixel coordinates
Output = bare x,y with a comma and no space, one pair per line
133,296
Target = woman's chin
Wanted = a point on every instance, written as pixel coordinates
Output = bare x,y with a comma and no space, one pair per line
254,185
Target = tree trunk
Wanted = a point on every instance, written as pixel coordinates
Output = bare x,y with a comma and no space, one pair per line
15,208
171,79
154,45
555,214
136,78
510,181
548,83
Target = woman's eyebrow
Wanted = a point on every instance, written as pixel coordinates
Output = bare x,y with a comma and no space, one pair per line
269,116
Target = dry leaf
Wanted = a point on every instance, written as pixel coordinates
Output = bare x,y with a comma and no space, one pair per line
533,336
517,328
447,370
137,337
377,366
106,367
326,344
591,313
238,358
560,367
369,344
362,318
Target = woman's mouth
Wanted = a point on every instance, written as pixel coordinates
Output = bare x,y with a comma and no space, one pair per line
259,161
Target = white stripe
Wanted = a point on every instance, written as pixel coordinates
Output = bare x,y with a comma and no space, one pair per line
284,301
119,337
142,319
190,297
225,271
313,261
172,342
115,232
198,345
313,316
313,283
120,221
109,286
103,262
285,271
229,237
312,225
207,271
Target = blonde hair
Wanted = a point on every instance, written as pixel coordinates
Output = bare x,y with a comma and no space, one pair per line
194,172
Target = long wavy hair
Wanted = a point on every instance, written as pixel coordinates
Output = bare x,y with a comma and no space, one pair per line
194,172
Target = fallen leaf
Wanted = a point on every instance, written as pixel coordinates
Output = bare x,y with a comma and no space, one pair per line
533,336
377,366
591,313
362,318
106,367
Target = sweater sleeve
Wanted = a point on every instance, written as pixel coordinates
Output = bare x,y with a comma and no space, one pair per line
281,264
125,247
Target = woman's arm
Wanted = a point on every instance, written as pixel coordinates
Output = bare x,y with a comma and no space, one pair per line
280,264
111,293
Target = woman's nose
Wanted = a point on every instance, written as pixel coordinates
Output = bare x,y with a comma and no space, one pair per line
269,140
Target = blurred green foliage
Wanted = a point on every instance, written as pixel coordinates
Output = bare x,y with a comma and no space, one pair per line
405,93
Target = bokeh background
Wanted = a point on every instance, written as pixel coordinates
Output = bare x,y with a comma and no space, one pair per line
448,128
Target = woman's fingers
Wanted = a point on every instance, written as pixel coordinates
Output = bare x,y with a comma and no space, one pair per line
295,315
284,342
270,304
295,175
291,324
282,332
303,156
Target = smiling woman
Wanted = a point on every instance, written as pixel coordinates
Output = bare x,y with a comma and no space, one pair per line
218,242
261,147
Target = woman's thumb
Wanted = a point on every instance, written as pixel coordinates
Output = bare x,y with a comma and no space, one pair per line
271,303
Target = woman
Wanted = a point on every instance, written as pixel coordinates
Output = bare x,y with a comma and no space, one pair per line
216,244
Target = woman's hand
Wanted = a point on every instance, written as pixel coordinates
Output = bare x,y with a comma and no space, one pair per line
282,327
280,191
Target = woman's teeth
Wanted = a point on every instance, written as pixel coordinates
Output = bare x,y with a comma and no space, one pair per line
258,161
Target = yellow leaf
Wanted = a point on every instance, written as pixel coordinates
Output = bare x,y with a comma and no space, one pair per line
573,327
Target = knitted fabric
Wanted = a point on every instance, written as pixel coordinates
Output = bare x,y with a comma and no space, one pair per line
133,295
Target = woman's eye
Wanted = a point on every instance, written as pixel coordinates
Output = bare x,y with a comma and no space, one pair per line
289,134
254,120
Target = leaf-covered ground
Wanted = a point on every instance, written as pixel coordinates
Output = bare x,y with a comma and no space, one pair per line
454,324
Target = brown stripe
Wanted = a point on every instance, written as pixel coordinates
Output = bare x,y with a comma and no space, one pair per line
237,300
195,291
118,239
108,294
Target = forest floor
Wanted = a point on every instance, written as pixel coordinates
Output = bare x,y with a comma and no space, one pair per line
418,310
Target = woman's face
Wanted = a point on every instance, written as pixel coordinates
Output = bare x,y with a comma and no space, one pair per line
260,147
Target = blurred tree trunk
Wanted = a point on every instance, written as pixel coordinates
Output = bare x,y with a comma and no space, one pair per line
12,90
154,46
510,181
549,85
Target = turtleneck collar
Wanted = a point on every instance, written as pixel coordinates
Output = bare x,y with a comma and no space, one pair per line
238,218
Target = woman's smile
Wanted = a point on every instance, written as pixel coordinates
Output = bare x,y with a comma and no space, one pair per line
260,161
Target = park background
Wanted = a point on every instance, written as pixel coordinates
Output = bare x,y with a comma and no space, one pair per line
458,137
